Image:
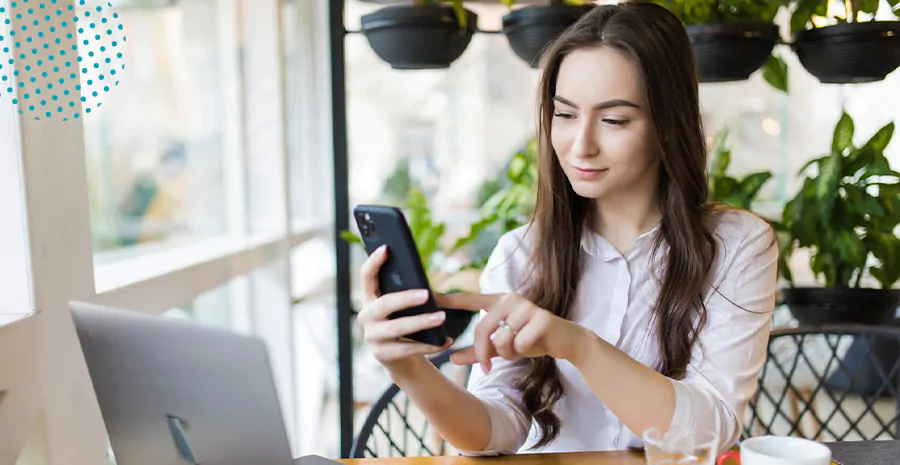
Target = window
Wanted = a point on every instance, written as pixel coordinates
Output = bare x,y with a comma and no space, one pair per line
184,209
156,148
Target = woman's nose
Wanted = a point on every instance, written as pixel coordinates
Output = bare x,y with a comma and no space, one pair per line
586,143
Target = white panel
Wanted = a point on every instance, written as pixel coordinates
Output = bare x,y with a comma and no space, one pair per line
271,307
264,116
14,290
60,253
20,386
235,163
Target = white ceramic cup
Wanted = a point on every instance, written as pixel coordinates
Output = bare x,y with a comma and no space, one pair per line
777,450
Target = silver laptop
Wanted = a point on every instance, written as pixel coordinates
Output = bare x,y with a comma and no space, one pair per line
174,393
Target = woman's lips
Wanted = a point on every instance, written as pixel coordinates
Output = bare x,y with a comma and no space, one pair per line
589,173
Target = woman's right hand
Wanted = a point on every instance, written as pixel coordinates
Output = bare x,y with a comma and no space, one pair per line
386,335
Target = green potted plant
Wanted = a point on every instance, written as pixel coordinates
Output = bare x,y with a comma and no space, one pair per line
731,38
851,51
737,193
847,216
429,34
531,29
512,205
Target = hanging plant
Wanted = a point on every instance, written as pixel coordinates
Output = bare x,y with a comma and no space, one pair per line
531,29
732,38
851,51
847,215
429,34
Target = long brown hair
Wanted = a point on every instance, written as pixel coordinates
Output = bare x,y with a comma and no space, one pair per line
657,44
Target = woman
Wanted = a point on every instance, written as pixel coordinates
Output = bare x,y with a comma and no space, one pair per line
629,302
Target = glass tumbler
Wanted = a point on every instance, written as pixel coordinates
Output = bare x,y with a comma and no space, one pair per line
680,446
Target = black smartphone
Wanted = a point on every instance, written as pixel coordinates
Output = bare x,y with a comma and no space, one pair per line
383,225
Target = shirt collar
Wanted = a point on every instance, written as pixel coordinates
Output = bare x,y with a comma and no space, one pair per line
597,246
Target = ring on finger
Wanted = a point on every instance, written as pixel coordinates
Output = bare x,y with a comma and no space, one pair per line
504,325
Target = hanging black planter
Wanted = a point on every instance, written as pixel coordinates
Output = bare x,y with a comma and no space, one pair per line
848,53
731,51
531,29
418,37
825,305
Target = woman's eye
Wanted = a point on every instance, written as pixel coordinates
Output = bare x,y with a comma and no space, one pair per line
615,122
563,115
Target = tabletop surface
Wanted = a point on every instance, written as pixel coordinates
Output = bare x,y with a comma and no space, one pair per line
845,453
579,458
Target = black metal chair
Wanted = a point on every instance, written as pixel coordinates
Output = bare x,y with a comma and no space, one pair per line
389,429
829,383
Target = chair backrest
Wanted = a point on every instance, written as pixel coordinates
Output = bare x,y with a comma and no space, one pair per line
829,383
396,428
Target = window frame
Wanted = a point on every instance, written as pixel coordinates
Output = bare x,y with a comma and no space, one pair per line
50,249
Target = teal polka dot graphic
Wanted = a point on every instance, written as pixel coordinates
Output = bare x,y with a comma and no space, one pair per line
31,33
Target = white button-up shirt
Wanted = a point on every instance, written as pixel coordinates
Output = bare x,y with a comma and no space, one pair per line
615,299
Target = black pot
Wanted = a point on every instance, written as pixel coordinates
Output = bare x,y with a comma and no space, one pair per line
418,37
729,51
531,29
824,305
850,52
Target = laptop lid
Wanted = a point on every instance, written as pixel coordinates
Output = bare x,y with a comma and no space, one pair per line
175,393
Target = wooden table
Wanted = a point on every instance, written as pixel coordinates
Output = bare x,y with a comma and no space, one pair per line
580,458
846,453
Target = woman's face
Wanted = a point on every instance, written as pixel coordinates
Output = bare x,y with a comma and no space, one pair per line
601,131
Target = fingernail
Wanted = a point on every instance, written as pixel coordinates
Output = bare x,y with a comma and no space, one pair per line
437,316
381,250
422,295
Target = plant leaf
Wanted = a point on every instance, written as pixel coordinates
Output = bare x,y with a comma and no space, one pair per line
461,15
866,204
853,250
827,185
803,14
726,187
752,183
775,72
886,248
425,232
869,6
784,253
843,134
474,231
880,140
517,167
889,194
879,168
721,155
857,159
351,237
810,163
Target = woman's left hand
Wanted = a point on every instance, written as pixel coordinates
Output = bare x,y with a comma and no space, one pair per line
513,328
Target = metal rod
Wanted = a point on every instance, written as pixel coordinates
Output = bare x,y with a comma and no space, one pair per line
341,223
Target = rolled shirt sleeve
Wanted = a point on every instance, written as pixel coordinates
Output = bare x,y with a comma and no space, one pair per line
510,424
732,348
